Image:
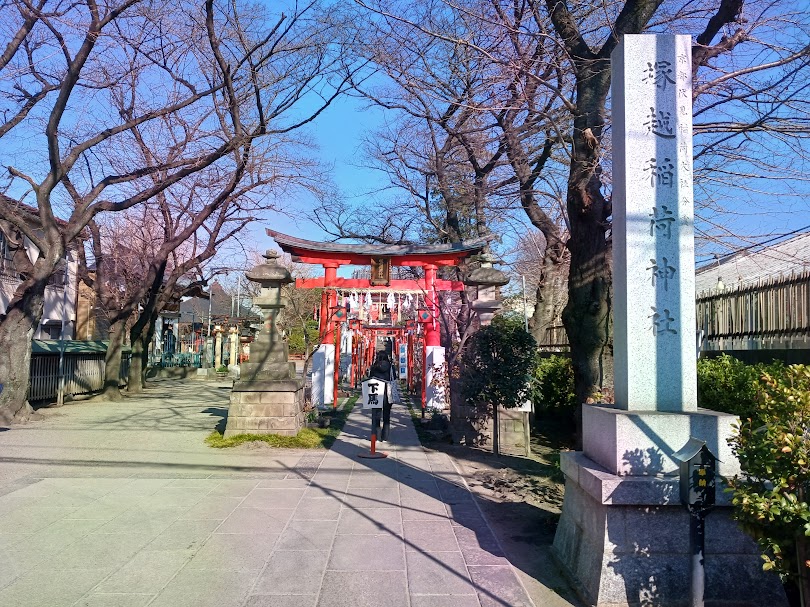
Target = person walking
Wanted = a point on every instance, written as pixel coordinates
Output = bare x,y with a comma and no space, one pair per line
382,369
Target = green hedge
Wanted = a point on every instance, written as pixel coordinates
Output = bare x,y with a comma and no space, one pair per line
729,385
554,385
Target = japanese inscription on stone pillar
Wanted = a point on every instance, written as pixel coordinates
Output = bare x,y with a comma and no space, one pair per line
653,236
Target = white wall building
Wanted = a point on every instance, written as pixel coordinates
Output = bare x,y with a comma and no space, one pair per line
59,316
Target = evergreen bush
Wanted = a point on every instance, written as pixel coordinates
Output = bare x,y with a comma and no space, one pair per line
773,446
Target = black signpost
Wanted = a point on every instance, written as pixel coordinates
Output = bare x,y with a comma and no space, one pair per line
698,468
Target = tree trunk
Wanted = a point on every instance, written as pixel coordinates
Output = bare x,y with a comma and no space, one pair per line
137,366
551,298
17,329
140,336
112,362
587,314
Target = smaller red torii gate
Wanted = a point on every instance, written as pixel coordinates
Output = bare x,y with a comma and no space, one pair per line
380,258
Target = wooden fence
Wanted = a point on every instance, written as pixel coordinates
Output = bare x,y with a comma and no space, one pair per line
83,369
768,314
757,315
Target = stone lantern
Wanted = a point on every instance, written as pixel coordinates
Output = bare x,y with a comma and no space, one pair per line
268,397
486,279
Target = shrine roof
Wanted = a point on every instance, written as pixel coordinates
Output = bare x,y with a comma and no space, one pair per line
310,251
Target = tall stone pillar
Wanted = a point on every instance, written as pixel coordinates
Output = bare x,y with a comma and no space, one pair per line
233,357
268,397
623,535
218,349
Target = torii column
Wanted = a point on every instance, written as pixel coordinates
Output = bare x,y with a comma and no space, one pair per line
434,352
323,360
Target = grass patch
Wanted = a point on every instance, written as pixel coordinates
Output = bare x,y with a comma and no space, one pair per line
307,438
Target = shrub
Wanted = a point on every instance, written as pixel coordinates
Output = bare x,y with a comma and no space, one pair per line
554,385
729,385
773,446
497,369
498,364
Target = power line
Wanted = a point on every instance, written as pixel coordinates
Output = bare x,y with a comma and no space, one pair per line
711,258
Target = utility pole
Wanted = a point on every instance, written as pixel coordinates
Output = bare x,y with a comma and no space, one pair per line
525,311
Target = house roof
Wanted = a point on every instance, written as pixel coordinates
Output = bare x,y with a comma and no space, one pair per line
743,267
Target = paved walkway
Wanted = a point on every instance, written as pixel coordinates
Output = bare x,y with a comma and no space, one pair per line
95,513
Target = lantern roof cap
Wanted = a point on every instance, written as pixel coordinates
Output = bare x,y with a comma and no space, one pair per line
270,271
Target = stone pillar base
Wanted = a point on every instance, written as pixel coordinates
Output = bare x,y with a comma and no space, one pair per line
624,542
266,407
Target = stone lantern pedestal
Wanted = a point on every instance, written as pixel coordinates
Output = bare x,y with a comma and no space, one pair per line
268,398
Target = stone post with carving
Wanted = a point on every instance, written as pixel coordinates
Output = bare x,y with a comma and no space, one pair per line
623,535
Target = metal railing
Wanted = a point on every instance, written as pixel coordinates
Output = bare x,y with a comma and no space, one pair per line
83,373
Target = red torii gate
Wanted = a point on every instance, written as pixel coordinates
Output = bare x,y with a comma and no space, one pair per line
380,258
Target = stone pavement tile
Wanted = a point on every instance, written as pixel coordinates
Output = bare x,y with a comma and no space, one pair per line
483,557
273,498
419,490
465,514
256,520
452,493
430,536
12,501
142,519
410,475
7,540
31,519
499,587
276,600
284,483
444,601
212,507
307,535
318,509
37,489
11,567
364,589
49,588
39,547
234,488
114,600
177,497
438,573
102,551
370,521
318,491
202,482
103,509
203,588
477,538
423,509
146,573
234,551
145,486
371,479
293,572
183,535
367,553
372,497
68,499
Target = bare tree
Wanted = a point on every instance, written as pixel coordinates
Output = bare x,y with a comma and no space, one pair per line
99,77
550,66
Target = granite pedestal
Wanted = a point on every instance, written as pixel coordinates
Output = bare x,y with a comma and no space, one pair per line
624,542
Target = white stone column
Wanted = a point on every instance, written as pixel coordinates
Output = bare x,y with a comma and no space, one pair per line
323,375
434,393
653,225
